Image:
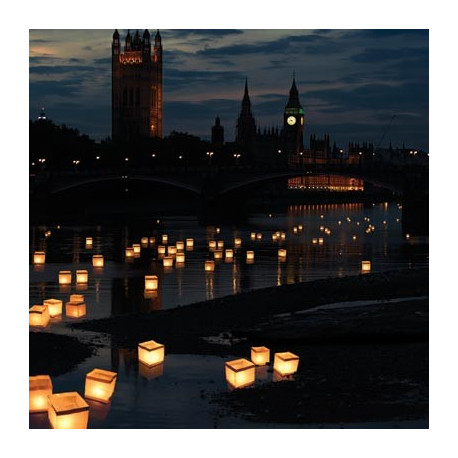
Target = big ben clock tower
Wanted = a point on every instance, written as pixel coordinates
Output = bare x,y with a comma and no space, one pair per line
293,124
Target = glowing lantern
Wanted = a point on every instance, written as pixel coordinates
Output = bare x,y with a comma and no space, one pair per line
180,245
314,241
171,250
253,236
137,248
144,241
300,227
100,385
260,355
68,411
407,236
161,249
165,239
229,254
167,261
54,307
152,240
212,244
295,229
274,237
283,235
209,266
321,228
339,222
320,240
81,276
129,252
218,254
258,236
250,256
240,372
354,237
39,316
97,260
75,309
180,259
282,253
286,363
218,230
76,298
237,242
150,282
220,244
88,242
40,386
189,243
39,257
151,353
365,266
65,277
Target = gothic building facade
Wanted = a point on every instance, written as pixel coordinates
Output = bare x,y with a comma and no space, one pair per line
136,87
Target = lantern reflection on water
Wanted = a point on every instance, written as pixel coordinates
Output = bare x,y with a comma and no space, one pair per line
260,355
151,353
75,309
365,266
209,266
240,372
39,257
65,277
152,372
68,411
97,260
180,245
286,363
151,282
81,276
40,386
100,385
39,316
54,307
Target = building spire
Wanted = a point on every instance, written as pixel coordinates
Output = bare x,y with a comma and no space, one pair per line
293,101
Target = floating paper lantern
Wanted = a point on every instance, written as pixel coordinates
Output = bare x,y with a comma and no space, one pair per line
407,236
180,245
88,242
39,257
209,266
39,316
40,386
100,385
314,241
212,244
81,276
250,255
218,230
354,237
167,261
54,307
365,266
151,282
240,372
152,240
339,222
283,235
68,411
321,228
260,355
180,259
151,353
76,298
65,277
75,309
137,248
229,254
274,237
259,236
282,253
165,239
218,254
286,363
189,243
253,236
300,227
171,250
97,260
144,241
161,249
220,244
320,240
237,242
295,229
129,252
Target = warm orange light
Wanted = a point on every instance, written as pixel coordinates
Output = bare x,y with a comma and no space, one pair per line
282,253
240,372
151,353
137,248
161,249
212,244
209,266
274,237
283,235
144,241
314,241
39,316
189,243
180,259
97,260
258,236
171,250
76,298
75,309
365,266
68,411
286,363
250,255
300,227
167,261
151,282
354,237
218,254
295,229
40,386
88,242
152,240
100,385
407,236
180,245
81,276
229,254
320,241
237,242
65,277
54,307
260,355
253,236
39,257
220,244
129,252
165,239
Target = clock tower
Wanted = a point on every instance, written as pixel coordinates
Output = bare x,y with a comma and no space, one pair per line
293,124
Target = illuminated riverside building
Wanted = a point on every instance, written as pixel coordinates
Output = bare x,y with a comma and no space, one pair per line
335,183
136,87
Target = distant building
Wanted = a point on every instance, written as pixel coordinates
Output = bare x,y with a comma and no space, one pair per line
42,115
136,87
218,134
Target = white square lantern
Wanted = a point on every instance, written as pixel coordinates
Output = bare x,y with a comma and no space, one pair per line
40,386
260,355
151,282
240,372
68,411
286,363
81,276
100,385
151,353
39,316
54,307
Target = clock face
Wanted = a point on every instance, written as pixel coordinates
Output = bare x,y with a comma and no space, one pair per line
291,120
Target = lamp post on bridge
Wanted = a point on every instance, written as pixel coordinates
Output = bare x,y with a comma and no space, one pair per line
237,156
210,155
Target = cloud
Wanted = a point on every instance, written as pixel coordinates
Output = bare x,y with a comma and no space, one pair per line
374,55
60,69
65,88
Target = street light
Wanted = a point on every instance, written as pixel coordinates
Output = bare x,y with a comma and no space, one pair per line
210,155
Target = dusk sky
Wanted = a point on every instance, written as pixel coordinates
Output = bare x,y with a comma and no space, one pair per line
351,82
